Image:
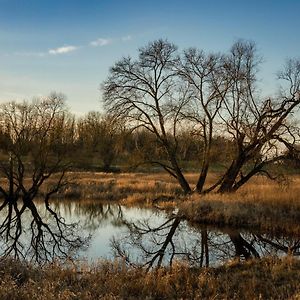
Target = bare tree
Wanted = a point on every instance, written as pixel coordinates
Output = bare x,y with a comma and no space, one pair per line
144,91
260,129
162,93
33,151
205,75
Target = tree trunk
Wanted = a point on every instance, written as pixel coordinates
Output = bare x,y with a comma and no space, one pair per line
229,179
202,177
180,177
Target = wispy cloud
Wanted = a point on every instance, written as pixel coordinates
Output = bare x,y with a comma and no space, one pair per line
100,42
126,38
62,50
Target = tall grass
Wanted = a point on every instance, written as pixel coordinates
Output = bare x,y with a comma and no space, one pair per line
265,279
261,204
126,187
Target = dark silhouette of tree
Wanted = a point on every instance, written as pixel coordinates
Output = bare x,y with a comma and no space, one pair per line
143,93
205,76
218,94
260,129
34,140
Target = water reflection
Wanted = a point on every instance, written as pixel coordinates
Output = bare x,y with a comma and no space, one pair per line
38,232
153,238
153,245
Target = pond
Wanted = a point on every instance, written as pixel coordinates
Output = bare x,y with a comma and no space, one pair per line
153,237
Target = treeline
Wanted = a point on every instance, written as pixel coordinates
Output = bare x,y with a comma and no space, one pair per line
108,144
96,141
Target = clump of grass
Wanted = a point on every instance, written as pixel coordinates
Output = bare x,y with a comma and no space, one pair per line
262,205
257,279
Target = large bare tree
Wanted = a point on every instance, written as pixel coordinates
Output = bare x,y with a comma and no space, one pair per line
261,129
163,92
147,93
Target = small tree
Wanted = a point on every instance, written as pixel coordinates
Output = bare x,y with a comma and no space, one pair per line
33,151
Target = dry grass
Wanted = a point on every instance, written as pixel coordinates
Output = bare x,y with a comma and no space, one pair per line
261,204
128,188
262,279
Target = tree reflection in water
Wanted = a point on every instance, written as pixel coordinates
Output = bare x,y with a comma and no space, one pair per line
39,235
138,236
152,245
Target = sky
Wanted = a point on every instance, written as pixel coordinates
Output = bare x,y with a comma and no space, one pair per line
68,46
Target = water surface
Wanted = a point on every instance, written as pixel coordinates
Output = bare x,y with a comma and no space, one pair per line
153,237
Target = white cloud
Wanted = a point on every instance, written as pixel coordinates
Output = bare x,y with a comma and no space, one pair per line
100,42
62,50
126,38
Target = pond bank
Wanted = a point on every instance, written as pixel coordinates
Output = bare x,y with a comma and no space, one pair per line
261,204
256,279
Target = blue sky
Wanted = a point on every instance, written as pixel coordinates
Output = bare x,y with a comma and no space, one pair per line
68,46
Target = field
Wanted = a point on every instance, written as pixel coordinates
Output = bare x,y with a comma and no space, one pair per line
262,205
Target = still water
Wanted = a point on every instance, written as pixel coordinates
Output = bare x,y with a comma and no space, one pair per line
153,237
142,236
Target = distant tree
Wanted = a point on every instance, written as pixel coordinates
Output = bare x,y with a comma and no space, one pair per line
102,135
33,147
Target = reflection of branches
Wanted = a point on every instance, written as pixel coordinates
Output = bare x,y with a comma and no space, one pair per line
286,246
155,245
36,234
161,239
242,247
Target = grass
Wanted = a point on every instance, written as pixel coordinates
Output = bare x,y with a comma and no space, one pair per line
257,279
262,204
135,188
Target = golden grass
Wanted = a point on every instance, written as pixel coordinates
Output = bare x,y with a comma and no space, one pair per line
257,279
127,188
261,204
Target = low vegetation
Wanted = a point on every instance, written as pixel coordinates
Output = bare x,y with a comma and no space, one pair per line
262,204
262,279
